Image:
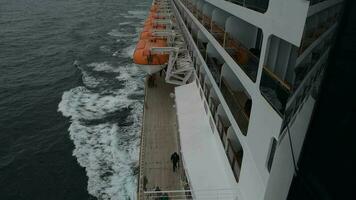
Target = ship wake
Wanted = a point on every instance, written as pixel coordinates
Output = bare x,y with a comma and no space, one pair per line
105,128
105,114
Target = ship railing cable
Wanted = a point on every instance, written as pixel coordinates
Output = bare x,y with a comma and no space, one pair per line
216,194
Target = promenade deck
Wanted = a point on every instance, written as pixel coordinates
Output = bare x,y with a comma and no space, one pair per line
159,140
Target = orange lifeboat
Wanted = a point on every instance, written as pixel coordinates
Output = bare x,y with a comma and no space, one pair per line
143,56
145,35
150,27
151,63
155,16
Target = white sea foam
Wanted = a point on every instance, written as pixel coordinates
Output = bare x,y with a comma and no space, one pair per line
128,51
105,49
107,149
117,33
104,67
125,23
139,14
116,52
109,152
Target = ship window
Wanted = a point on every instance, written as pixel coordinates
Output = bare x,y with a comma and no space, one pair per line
271,154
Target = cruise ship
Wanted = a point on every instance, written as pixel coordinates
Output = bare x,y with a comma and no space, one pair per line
231,87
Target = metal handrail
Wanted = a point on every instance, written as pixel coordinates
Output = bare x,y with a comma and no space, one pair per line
214,193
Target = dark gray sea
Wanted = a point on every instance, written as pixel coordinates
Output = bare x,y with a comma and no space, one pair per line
70,98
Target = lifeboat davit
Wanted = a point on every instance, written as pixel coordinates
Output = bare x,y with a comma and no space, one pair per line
150,62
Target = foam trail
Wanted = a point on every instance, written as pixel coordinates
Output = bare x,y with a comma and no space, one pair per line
106,121
117,33
105,67
125,23
106,146
128,51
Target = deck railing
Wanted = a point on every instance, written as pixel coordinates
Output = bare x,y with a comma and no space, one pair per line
169,194
213,194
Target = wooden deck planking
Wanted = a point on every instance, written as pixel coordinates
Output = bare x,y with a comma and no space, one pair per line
160,138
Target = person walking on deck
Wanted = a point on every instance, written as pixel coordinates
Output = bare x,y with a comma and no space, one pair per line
175,160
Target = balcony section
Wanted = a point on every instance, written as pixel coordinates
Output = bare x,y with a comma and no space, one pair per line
309,75
256,5
213,100
193,30
214,62
241,40
207,15
285,76
234,153
278,73
237,99
230,142
317,25
228,137
199,9
202,44
210,91
217,28
309,60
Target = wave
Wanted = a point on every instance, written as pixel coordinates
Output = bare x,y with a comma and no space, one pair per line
139,14
105,128
105,118
128,51
105,49
125,23
104,67
117,33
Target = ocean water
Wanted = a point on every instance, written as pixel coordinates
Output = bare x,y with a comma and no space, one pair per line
70,98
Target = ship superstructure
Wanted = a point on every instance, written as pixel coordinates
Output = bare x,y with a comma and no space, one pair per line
252,79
